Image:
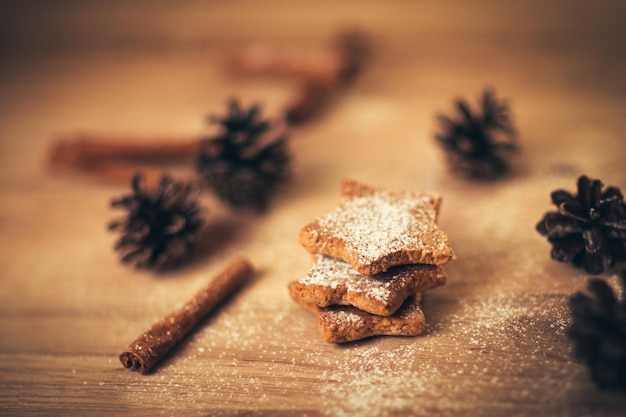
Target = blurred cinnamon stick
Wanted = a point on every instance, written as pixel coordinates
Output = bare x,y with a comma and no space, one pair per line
266,61
310,101
118,158
350,52
98,147
322,76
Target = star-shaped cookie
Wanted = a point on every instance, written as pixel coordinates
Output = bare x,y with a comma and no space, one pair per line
340,324
374,229
334,282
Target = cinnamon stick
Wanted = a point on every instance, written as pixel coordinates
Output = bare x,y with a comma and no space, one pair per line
351,50
118,158
87,147
321,77
312,99
154,344
265,61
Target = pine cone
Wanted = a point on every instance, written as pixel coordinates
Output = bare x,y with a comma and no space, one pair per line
598,331
478,145
161,226
588,229
246,160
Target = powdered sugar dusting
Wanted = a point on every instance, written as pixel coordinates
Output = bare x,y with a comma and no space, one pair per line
474,346
344,317
377,225
484,340
383,287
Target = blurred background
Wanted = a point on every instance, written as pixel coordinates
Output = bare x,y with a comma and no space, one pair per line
158,66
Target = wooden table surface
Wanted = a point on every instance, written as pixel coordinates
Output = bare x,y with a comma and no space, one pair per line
495,344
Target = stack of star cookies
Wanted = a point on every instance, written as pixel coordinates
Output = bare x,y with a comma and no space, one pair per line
375,255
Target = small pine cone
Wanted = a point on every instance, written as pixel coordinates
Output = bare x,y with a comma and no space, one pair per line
478,145
161,226
598,331
245,161
589,229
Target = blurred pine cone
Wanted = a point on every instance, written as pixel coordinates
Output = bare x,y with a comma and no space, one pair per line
598,331
589,229
244,162
478,145
161,225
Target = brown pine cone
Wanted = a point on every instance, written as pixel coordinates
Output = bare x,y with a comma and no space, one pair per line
246,160
598,332
478,145
161,225
589,229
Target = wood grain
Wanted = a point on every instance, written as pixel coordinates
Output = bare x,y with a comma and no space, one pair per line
495,342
